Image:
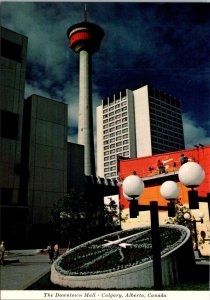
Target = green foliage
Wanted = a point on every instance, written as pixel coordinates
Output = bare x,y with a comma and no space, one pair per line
68,217
179,218
75,221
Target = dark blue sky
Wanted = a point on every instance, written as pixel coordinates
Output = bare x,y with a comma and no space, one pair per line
166,45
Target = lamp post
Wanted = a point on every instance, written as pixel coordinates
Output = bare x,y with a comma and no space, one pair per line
191,174
201,216
133,187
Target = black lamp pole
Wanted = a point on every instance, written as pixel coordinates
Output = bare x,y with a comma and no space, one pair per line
156,251
195,230
194,199
155,233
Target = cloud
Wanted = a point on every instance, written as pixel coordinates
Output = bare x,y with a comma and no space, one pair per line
193,132
161,44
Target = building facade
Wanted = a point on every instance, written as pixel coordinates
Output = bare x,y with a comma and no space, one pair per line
44,161
136,123
13,70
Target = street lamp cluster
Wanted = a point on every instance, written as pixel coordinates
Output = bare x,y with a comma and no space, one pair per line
191,174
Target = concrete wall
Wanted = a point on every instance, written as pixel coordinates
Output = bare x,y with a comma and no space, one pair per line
142,122
45,159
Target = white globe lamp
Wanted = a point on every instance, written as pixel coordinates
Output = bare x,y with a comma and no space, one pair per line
169,190
187,216
191,174
133,186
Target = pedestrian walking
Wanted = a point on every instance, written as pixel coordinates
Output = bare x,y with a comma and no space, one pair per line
50,252
56,251
2,250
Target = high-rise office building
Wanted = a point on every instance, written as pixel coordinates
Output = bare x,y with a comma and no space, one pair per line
136,123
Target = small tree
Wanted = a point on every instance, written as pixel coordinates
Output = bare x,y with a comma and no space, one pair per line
180,218
75,221
68,218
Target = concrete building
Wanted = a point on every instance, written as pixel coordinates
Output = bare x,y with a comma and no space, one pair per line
13,70
44,161
136,123
85,39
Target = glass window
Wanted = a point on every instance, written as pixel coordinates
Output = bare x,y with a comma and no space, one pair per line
113,168
125,130
126,153
9,125
125,142
11,50
125,147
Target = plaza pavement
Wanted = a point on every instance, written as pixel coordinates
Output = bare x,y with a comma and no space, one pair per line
22,268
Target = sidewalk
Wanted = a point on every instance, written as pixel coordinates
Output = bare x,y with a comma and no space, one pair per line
22,268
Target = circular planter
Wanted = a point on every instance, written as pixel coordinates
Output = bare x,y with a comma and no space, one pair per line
107,263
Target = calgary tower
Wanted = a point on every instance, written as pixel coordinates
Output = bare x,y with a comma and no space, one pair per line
85,39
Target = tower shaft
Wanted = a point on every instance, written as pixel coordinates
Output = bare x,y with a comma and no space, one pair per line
85,39
85,116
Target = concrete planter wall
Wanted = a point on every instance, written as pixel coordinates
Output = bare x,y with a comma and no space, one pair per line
175,267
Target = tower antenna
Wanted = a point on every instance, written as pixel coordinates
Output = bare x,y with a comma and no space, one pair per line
85,13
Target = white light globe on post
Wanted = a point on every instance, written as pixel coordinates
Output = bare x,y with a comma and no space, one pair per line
133,186
201,215
127,197
169,190
187,216
191,174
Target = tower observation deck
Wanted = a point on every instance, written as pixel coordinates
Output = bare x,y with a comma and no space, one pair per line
85,39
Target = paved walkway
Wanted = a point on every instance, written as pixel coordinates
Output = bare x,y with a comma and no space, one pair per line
22,268
25,267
